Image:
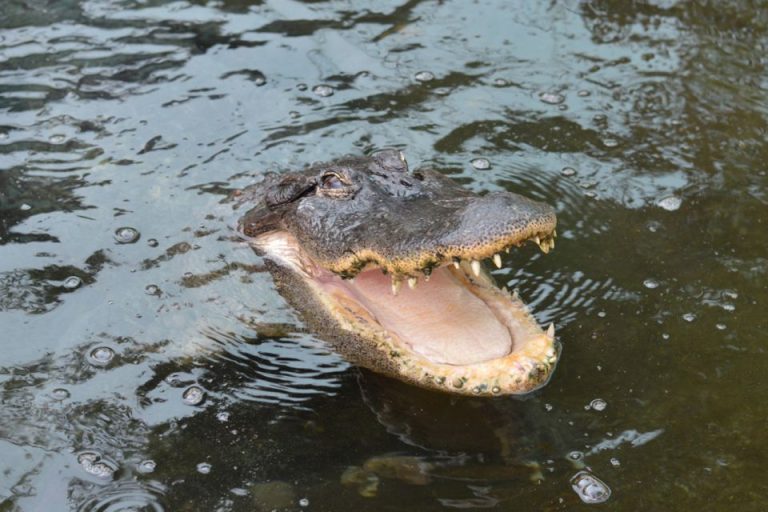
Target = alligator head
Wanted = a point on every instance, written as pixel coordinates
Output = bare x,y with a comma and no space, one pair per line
342,238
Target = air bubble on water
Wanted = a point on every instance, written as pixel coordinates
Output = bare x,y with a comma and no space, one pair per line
602,314
323,90
615,462
152,289
424,76
670,203
583,93
94,464
721,327
147,466
204,468
222,416
575,455
302,87
101,356
598,404
610,143
589,488
651,283
665,336
25,207
193,395
590,194
689,317
568,172
548,407
303,502
481,164
126,235
551,98
59,394
56,139
294,114
500,82
152,242
728,307
72,282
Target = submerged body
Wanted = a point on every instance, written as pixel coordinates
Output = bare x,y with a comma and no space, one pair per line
342,238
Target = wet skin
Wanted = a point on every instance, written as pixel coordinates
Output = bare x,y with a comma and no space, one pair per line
341,239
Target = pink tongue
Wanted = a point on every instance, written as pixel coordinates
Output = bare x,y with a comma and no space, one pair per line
441,319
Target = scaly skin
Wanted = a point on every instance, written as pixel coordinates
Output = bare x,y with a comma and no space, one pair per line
372,214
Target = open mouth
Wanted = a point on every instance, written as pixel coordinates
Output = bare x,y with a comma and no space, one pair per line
445,325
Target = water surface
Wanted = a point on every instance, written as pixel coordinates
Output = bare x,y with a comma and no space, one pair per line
148,363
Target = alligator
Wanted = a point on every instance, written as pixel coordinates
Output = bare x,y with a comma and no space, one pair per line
341,238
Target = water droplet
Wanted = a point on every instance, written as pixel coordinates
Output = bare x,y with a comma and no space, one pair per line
59,394
551,98
610,143
651,283
548,407
598,404
152,289
589,488
689,317
146,466
323,90
193,395
615,462
302,87
583,93
424,76
665,336
500,82
670,203
222,416
442,91
126,235
25,207
3,135
94,464
721,327
303,502
72,282
481,164
204,468
602,314
101,356
152,242
568,172
575,455
56,139
294,114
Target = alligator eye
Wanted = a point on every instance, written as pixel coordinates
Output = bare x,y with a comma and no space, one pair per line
332,182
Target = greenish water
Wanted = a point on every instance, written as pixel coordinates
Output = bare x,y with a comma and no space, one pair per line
645,124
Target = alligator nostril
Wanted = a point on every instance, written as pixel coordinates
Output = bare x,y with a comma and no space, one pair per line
418,176
406,183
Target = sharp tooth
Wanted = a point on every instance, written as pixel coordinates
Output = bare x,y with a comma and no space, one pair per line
554,233
551,243
506,250
476,267
497,260
412,282
543,245
396,283
504,289
456,263
515,294
537,240
551,331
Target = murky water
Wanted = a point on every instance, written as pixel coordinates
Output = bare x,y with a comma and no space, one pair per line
148,364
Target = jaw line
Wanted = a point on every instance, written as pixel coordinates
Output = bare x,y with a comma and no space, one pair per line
525,367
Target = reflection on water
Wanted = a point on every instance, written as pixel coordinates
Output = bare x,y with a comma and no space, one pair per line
148,362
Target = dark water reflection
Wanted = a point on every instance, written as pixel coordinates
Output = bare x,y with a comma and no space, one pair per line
644,123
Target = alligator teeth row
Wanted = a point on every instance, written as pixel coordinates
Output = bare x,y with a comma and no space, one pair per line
545,243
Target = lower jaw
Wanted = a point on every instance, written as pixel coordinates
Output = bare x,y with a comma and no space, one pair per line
526,368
